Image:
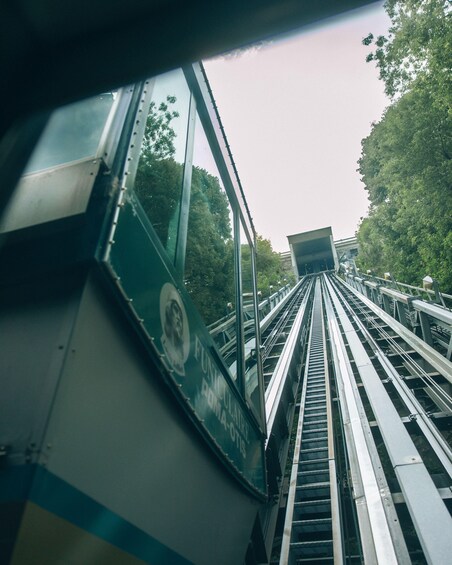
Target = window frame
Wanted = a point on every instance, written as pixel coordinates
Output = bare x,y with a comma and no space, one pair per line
202,107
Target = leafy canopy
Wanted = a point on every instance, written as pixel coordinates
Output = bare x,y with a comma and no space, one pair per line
406,161
271,271
417,48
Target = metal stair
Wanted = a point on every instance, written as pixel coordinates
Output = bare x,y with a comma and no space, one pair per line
312,531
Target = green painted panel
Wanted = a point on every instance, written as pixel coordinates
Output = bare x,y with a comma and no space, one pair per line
166,314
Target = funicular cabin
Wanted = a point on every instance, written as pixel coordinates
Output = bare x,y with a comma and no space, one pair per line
129,435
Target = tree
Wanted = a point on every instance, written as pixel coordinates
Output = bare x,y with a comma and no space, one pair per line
406,160
269,267
417,49
209,268
158,141
209,262
158,181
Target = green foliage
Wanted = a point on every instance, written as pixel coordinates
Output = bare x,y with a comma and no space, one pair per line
418,47
209,262
406,161
158,142
209,268
159,177
158,187
209,265
270,269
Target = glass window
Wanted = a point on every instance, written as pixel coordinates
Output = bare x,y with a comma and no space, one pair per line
252,391
209,263
72,133
158,182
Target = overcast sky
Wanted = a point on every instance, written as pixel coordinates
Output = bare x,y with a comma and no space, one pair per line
295,112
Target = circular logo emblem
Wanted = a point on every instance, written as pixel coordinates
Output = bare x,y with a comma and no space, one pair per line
176,334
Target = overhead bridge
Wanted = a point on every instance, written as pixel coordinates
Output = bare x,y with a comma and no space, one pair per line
359,422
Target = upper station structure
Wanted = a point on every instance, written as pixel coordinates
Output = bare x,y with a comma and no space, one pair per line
313,252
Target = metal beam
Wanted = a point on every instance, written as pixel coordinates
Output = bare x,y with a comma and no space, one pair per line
431,518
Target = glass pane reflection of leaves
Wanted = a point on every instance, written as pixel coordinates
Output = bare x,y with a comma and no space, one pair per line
209,258
209,266
249,326
158,182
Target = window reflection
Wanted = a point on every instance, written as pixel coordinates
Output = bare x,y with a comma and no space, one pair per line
209,263
158,182
252,392
72,133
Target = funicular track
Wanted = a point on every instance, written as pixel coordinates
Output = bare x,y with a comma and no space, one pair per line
312,525
275,331
387,422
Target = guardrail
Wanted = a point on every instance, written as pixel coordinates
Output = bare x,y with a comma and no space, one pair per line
432,322
427,294
224,330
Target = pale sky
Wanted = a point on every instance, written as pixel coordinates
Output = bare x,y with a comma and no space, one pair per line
295,112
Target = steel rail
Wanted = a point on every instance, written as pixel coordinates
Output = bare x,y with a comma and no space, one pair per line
285,546
378,540
438,361
431,433
416,368
428,512
269,318
277,382
280,406
314,430
285,309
